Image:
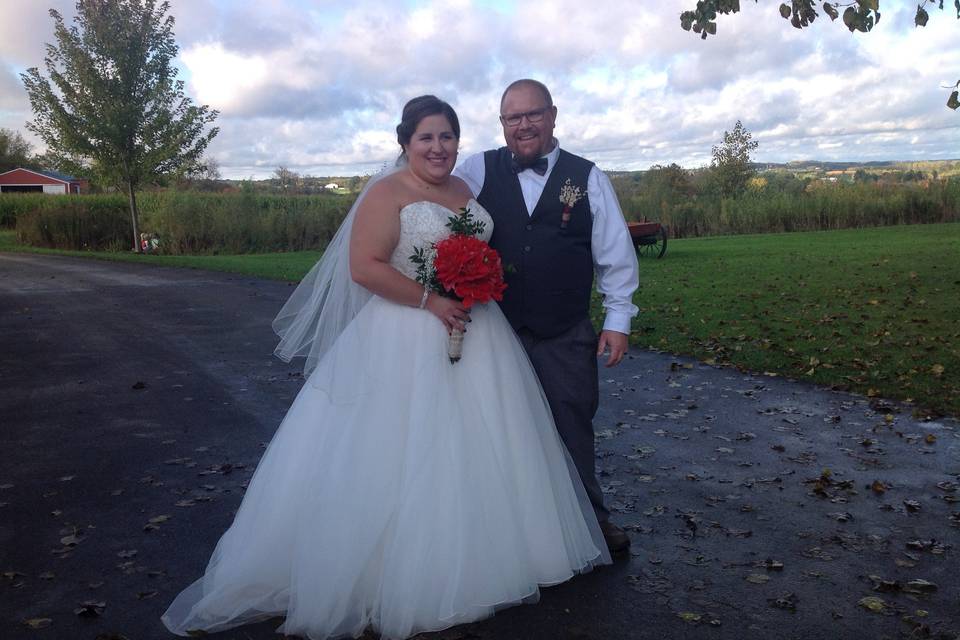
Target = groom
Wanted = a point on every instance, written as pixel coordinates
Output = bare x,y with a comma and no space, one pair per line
557,221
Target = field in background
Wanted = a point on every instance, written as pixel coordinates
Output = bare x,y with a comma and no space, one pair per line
869,310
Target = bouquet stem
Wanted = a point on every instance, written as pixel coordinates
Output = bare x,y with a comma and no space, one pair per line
455,345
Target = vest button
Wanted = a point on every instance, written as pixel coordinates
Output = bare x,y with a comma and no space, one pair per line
529,227
527,249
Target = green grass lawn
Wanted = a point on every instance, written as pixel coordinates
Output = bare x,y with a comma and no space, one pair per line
870,310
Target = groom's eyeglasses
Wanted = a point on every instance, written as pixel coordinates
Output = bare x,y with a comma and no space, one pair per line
514,119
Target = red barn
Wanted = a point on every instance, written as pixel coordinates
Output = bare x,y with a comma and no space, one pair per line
26,180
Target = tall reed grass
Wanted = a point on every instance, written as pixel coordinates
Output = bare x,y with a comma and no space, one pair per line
199,223
185,222
821,206
93,223
190,222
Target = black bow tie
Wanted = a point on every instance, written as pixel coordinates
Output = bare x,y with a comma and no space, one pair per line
539,165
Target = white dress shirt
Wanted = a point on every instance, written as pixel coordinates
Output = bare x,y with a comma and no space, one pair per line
614,258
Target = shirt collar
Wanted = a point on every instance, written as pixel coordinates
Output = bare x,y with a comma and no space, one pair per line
553,155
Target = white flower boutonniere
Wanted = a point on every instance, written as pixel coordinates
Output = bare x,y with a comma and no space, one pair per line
569,196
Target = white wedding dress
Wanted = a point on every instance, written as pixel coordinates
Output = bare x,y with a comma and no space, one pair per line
402,492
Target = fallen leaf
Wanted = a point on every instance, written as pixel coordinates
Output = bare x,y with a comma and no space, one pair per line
757,578
38,623
885,586
90,609
873,603
786,601
71,540
920,586
687,616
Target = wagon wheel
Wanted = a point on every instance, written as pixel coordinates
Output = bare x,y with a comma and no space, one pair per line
653,246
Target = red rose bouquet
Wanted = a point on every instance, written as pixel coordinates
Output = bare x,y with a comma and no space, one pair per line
468,267
461,266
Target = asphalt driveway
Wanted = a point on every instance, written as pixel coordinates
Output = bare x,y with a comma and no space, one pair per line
135,402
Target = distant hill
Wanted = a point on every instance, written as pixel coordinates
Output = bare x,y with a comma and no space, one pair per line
812,168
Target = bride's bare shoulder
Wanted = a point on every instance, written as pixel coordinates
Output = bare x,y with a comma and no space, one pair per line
390,190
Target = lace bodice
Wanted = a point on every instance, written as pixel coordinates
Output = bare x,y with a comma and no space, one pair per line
423,223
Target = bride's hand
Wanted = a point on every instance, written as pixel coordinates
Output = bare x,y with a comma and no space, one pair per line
451,312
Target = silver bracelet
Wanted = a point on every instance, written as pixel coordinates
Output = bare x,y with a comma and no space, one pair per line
423,299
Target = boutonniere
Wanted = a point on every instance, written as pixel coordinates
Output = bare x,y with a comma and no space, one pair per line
569,196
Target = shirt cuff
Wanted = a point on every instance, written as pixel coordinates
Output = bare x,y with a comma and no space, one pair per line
617,321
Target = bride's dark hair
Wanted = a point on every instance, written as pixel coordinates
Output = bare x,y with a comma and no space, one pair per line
416,110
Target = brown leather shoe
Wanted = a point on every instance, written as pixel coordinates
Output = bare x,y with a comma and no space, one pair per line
617,540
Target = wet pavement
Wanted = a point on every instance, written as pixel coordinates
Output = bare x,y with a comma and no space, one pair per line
135,402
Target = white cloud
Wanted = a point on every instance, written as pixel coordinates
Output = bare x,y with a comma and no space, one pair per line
219,77
318,86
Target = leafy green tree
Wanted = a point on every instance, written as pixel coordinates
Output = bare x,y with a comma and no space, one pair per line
14,150
859,15
112,104
731,161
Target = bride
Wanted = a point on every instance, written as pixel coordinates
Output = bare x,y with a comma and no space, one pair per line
401,492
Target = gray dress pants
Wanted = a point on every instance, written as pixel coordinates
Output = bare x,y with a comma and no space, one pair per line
567,367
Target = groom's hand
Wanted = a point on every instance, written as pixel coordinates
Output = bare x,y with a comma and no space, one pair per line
614,341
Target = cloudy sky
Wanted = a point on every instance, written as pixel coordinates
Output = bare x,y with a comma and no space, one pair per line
317,86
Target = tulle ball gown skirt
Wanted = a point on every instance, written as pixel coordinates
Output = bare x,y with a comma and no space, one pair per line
401,492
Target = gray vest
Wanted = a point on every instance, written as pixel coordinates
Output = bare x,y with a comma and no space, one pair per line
549,289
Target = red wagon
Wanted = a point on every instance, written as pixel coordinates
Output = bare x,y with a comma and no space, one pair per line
649,238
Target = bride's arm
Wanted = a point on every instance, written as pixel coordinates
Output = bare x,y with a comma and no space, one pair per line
374,236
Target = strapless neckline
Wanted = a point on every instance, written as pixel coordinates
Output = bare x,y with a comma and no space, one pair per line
444,207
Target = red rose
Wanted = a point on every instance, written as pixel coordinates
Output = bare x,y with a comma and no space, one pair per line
470,269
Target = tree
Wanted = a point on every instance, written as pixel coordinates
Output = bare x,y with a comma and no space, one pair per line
860,15
112,104
287,181
203,175
660,190
14,150
731,161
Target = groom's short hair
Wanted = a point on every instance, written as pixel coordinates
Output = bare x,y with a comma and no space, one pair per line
532,83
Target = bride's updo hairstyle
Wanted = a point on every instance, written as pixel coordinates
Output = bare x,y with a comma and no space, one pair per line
416,110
